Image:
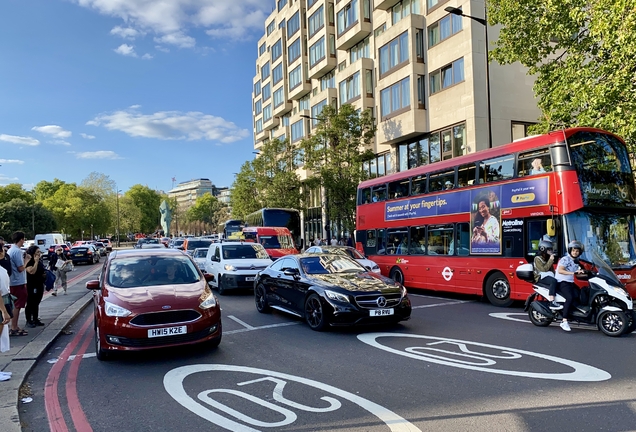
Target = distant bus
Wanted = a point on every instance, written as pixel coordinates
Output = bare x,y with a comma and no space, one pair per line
277,217
463,225
231,226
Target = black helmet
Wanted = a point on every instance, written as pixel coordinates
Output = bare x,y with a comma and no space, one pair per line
575,244
544,246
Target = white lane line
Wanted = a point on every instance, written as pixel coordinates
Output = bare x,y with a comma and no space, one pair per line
243,323
440,304
259,328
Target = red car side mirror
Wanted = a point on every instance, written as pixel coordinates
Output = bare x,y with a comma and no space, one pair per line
92,285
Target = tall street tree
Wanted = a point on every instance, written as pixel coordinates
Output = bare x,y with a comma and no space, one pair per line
19,215
45,189
76,209
335,153
583,54
244,195
275,175
208,210
148,201
13,191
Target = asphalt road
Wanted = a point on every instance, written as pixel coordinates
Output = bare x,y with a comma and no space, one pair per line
458,364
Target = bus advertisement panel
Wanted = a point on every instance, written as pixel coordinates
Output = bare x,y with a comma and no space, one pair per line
464,225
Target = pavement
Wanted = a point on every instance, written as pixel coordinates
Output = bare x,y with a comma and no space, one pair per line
56,312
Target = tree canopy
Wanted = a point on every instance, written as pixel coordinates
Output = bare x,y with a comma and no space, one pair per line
208,210
583,54
341,142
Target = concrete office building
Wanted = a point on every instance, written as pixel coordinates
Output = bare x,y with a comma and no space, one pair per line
186,193
420,69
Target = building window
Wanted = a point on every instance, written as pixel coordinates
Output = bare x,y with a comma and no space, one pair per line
380,166
282,24
421,91
432,3
310,3
303,103
267,112
271,27
317,52
282,3
293,25
316,21
520,130
443,29
403,9
295,77
332,45
419,45
265,71
394,54
259,125
395,98
362,49
378,31
277,50
293,51
447,76
277,73
297,130
257,88
368,82
258,107
433,147
316,110
285,120
267,92
350,88
347,17
262,49
328,81
279,97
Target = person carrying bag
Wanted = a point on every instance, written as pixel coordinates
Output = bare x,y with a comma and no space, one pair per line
61,265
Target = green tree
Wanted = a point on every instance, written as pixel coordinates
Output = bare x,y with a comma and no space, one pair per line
335,153
19,215
148,201
244,195
129,216
207,209
45,189
583,55
13,191
275,175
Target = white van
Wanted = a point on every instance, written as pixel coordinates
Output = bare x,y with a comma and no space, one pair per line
44,241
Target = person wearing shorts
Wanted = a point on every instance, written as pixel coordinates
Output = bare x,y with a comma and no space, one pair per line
18,281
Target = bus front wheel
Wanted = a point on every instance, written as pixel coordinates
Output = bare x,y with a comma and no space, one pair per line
397,275
498,290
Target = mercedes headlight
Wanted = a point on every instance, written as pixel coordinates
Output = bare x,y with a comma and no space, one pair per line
229,267
332,295
115,311
209,302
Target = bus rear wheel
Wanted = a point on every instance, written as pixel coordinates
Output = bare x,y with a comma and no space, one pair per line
498,290
397,275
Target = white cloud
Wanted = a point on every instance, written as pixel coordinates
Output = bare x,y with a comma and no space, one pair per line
11,161
146,56
166,18
162,49
178,39
5,178
53,130
126,50
171,125
14,139
86,136
126,32
60,142
100,154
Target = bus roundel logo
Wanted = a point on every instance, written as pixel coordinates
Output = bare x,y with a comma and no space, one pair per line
447,274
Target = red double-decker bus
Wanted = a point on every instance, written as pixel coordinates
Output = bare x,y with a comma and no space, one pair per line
465,224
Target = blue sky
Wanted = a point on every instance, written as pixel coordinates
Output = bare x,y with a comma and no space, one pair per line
139,90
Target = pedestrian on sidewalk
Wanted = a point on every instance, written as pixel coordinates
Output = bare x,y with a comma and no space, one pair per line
18,281
58,264
5,345
5,262
36,273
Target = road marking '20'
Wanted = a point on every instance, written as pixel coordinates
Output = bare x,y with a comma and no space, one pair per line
288,409
470,355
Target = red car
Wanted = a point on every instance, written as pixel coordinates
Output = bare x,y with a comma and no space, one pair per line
67,250
152,298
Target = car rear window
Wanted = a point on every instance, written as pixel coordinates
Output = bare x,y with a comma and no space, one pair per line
251,251
79,249
134,272
193,244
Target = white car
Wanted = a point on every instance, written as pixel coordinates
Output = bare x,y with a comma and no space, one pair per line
199,256
235,264
350,252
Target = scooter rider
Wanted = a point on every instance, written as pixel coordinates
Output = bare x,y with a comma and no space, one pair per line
566,269
543,263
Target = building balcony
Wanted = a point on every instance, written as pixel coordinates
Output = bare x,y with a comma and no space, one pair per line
304,87
384,4
271,123
355,31
260,136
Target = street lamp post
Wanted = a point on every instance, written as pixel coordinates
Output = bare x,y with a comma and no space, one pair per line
483,21
118,242
327,219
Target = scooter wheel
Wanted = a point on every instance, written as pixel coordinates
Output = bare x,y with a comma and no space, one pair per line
612,323
538,318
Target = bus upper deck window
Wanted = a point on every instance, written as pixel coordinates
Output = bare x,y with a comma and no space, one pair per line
532,163
365,196
379,193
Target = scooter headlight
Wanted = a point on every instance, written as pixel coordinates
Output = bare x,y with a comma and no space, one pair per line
621,291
